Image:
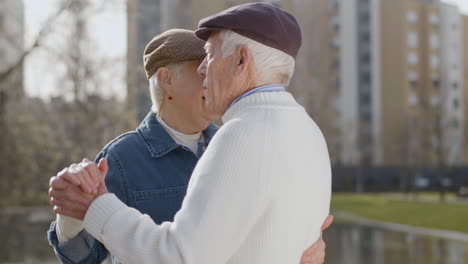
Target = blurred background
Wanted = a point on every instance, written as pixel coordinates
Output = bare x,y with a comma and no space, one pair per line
386,81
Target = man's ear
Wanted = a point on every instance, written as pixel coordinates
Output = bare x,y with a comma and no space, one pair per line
163,75
243,59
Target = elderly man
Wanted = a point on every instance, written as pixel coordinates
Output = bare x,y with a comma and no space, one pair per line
142,172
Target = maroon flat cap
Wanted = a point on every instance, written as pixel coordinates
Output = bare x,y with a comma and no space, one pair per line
261,22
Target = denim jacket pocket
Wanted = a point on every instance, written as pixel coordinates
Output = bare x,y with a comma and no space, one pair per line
160,194
161,204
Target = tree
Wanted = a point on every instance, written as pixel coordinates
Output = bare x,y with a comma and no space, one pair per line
39,137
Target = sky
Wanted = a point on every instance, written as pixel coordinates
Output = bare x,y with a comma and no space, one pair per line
109,31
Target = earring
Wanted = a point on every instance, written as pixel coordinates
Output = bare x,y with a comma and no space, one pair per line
170,97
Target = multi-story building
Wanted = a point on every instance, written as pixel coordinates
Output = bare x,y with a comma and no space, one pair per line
143,23
400,62
452,69
147,18
11,47
383,79
403,67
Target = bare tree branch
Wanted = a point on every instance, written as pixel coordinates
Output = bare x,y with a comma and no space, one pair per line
37,41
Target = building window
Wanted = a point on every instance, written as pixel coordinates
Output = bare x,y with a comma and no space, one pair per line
337,104
334,23
364,100
412,17
364,17
435,141
335,66
364,37
412,40
456,103
365,57
412,121
364,28
434,41
436,122
434,61
454,26
414,143
365,77
435,100
366,114
413,99
436,82
333,4
434,19
335,43
455,85
455,123
413,78
412,58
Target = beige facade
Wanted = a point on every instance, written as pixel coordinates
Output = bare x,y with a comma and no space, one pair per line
143,23
325,93
370,73
394,83
421,53
314,87
399,55
430,90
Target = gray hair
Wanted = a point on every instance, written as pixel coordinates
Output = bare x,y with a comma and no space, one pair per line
157,93
271,65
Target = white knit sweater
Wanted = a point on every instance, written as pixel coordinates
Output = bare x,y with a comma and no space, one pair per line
258,195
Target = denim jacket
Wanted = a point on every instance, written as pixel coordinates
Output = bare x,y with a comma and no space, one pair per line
149,171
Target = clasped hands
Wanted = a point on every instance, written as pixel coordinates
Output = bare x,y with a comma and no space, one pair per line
74,188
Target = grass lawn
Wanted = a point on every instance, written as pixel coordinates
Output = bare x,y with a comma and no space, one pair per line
449,216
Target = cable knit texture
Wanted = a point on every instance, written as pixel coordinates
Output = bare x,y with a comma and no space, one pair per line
258,195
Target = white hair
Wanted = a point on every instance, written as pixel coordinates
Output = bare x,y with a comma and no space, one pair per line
271,65
157,93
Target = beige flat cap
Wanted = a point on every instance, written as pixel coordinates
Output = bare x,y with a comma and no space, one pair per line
172,46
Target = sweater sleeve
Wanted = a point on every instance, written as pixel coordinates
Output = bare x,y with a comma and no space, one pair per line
227,194
67,227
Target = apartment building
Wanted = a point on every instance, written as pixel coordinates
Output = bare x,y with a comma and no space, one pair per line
384,80
400,64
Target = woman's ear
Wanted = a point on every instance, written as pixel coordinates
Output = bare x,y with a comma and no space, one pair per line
163,76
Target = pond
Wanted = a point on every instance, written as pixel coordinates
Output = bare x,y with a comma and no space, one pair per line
353,243
23,236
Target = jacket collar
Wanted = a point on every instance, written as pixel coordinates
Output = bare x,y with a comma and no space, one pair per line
158,141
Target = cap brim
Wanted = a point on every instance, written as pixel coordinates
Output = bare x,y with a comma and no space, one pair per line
205,32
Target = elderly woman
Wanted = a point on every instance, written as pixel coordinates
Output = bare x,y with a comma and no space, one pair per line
149,168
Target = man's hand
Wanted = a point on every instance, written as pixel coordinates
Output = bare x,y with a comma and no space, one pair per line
66,196
315,254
